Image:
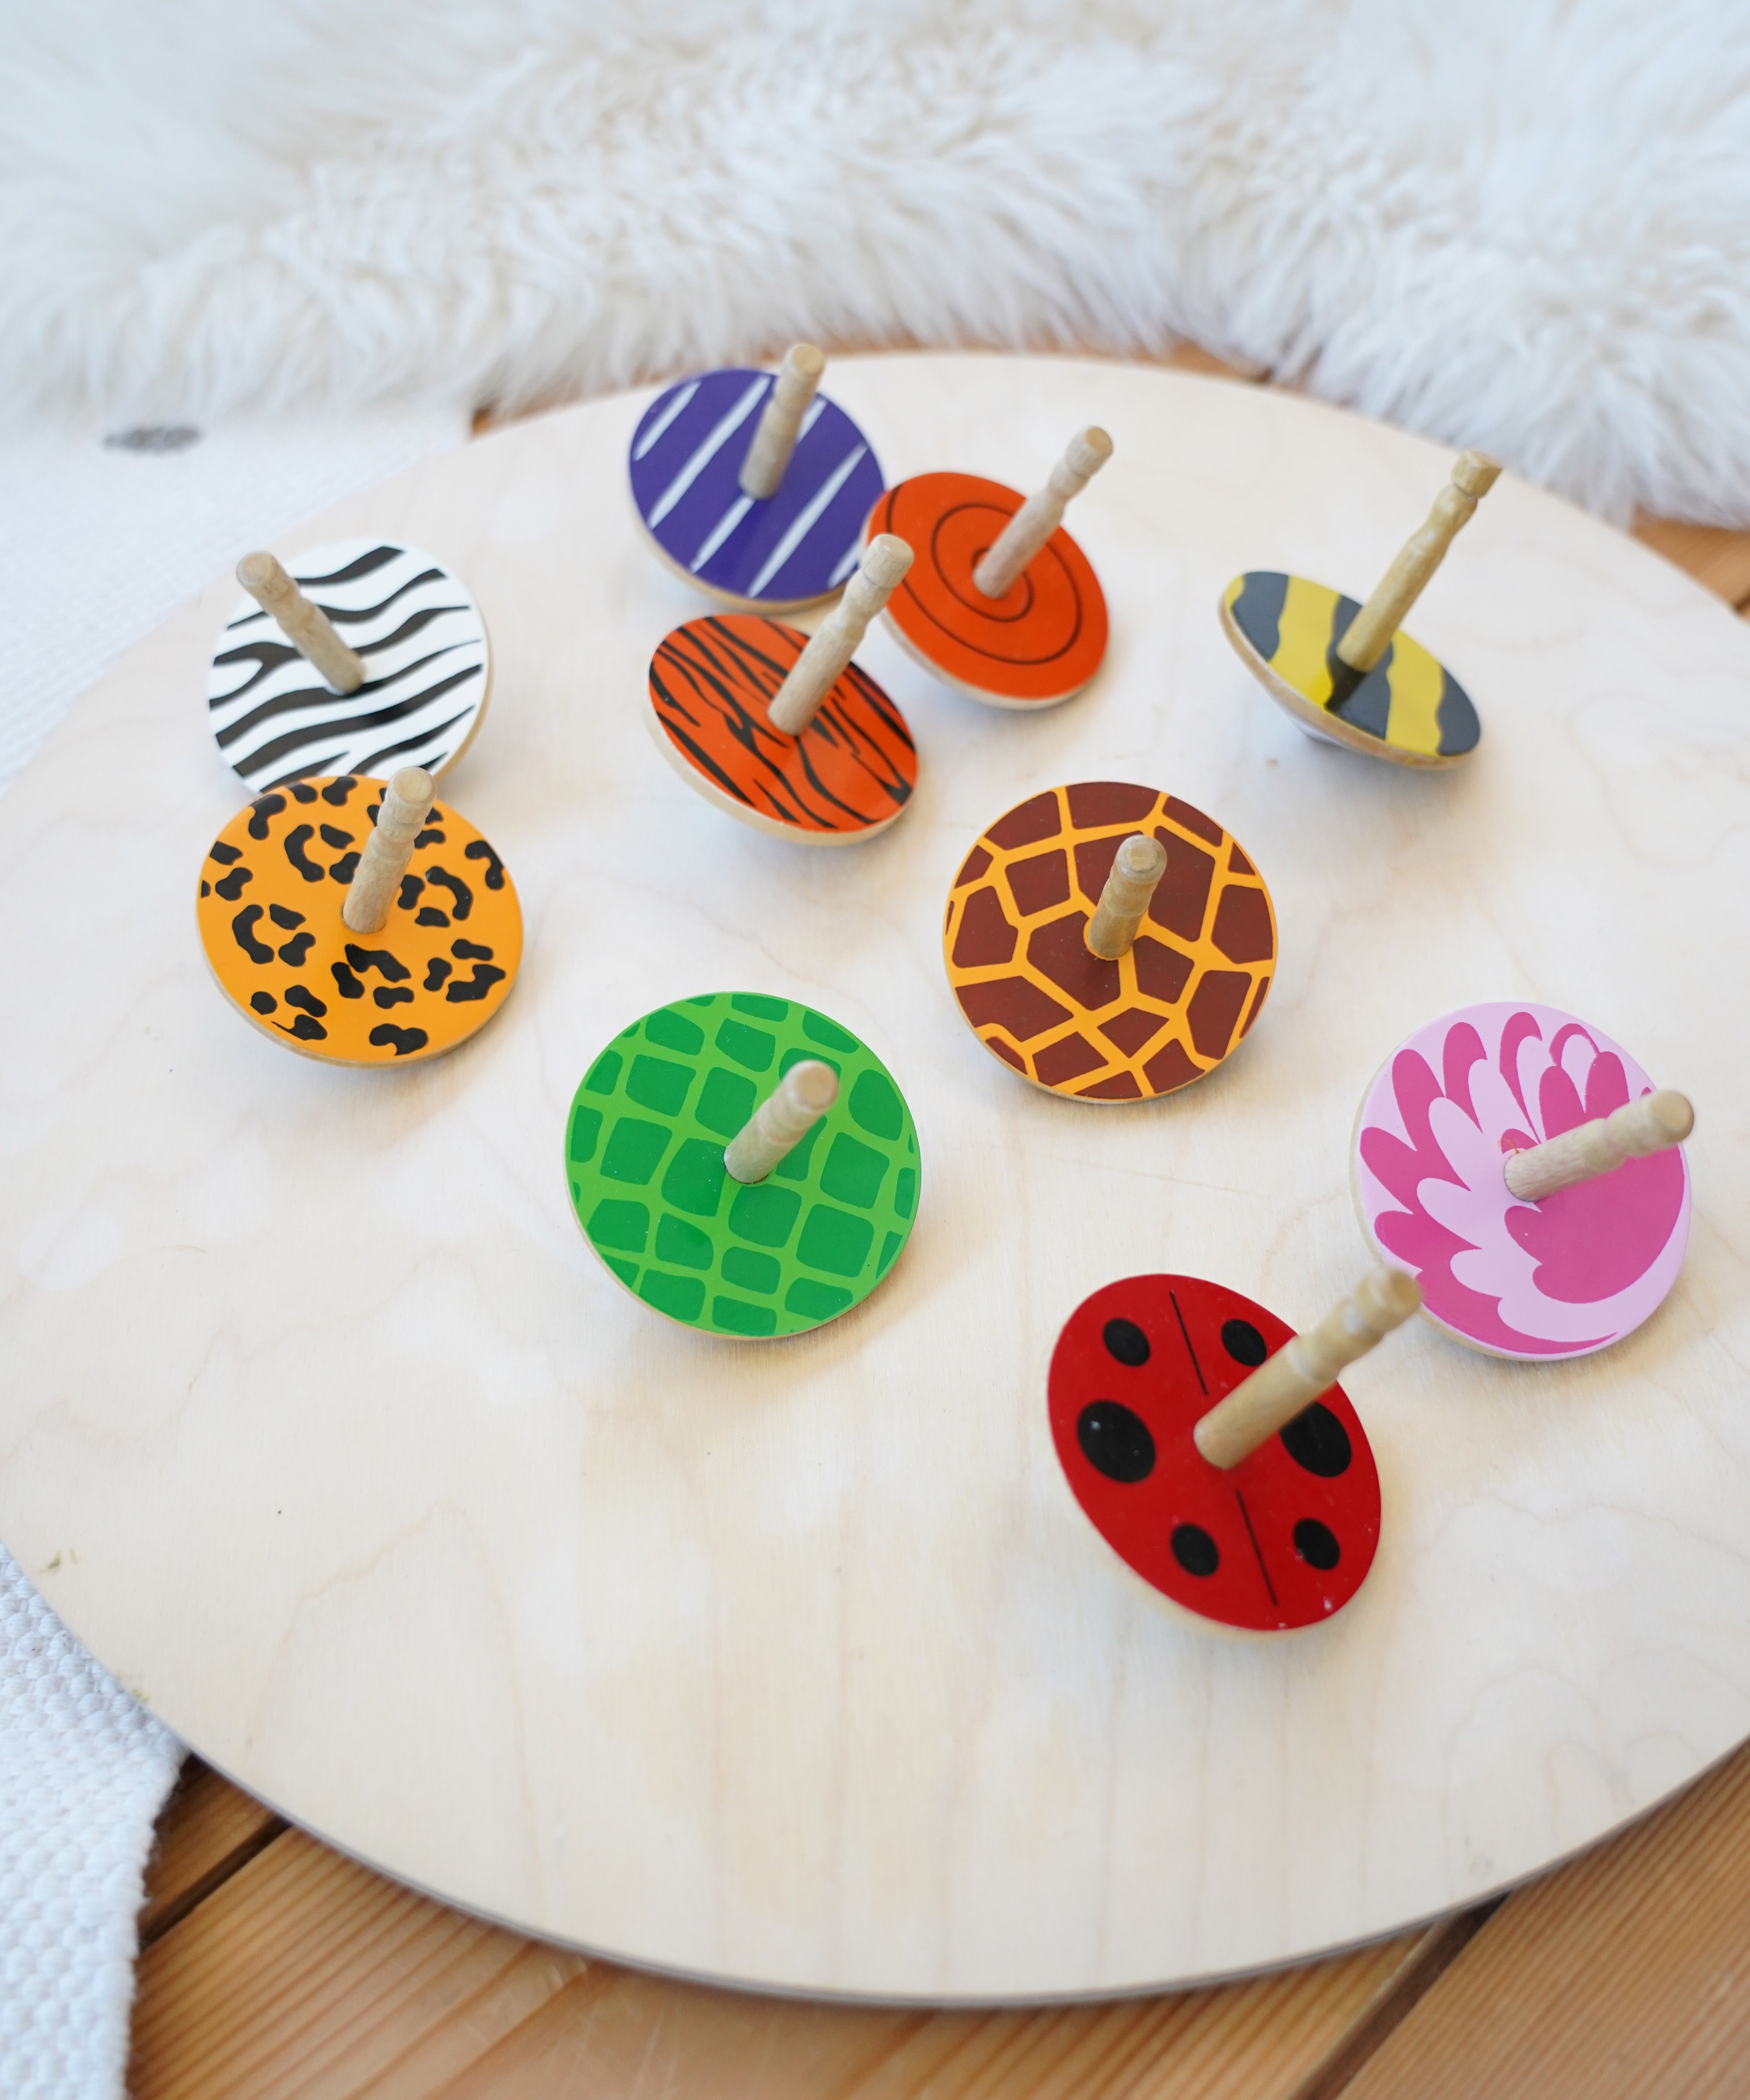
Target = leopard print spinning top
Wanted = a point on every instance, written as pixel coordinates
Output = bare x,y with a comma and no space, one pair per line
1160,1017
271,891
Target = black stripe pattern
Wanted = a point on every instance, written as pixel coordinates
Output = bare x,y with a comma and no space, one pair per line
426,671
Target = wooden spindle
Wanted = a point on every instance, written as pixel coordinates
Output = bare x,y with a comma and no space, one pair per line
407,803
781,425
831,648
1304,1367
306,626
1632,1132
1137,872
782,1121
1039,517
1369,635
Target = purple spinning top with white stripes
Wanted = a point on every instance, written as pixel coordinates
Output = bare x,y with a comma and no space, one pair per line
790,549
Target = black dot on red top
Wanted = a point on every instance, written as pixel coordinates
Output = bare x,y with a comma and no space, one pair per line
1315,1545
1195,1550
1318,1442
1243,1342
1115,1442
1125,1341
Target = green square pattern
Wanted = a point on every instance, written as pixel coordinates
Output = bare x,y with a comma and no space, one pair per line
654,1111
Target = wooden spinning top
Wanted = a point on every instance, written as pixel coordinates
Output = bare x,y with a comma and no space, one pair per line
1212,1450
364,655
755,487
743,1164
1108,941
358,921
1001,602
1349,673
1521,1166
783,731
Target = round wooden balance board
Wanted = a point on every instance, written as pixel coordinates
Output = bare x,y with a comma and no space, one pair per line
797,1664
428,671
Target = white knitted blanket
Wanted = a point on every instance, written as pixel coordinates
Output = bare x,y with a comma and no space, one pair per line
98,544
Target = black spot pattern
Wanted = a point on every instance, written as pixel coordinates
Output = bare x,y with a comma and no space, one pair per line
495,867
223,853
333,836
349,985
264,806
427,837
411,887
430,915
231,886
296,840
1316,1544
1194,1549
307,1028
1318,1443
470,951
337,792
459,889
363,959
345,868
393,995
264,1002
307,1000
485,976
1115,1441
404,1039
436,973
283,916
1243,1342
243,932
300,792
292,954
1126,1342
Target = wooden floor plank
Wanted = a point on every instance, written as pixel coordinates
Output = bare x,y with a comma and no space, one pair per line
1627,1972
1712,556
207,1830
612,2032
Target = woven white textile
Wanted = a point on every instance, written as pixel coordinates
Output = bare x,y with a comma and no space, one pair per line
98,544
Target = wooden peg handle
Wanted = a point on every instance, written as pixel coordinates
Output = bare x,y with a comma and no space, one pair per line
835,641
1136,873
407,803
306,626
781,425
1369,635
783,1120
1591,1148
1306,1366
1039,517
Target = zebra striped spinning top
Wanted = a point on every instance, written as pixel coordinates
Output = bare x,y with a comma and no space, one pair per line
428,671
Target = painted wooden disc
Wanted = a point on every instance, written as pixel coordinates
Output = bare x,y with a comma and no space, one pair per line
848,776
644,1150
429,672
272,890
1408,709
1171,1010
1038,645
1560,1277
786,550
1281,1540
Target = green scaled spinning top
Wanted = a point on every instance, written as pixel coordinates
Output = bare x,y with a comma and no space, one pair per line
644,1148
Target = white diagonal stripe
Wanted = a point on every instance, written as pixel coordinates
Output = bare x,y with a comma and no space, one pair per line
725,430
721,531
648,441
847,562
804,524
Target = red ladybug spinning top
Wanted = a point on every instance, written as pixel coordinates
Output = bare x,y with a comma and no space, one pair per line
1208,1445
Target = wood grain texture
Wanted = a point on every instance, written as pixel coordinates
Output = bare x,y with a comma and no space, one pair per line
207,1830
1714,556
1625,1974
307,1977
1023,1795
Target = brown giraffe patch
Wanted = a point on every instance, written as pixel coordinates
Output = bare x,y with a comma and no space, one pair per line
1036,996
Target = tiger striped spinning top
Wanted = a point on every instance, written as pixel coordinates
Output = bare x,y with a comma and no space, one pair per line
1108,941
1002,603
780,730
359,921
367,654
1348,673
754,487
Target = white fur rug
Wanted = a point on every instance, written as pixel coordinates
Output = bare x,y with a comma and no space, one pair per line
1523,224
